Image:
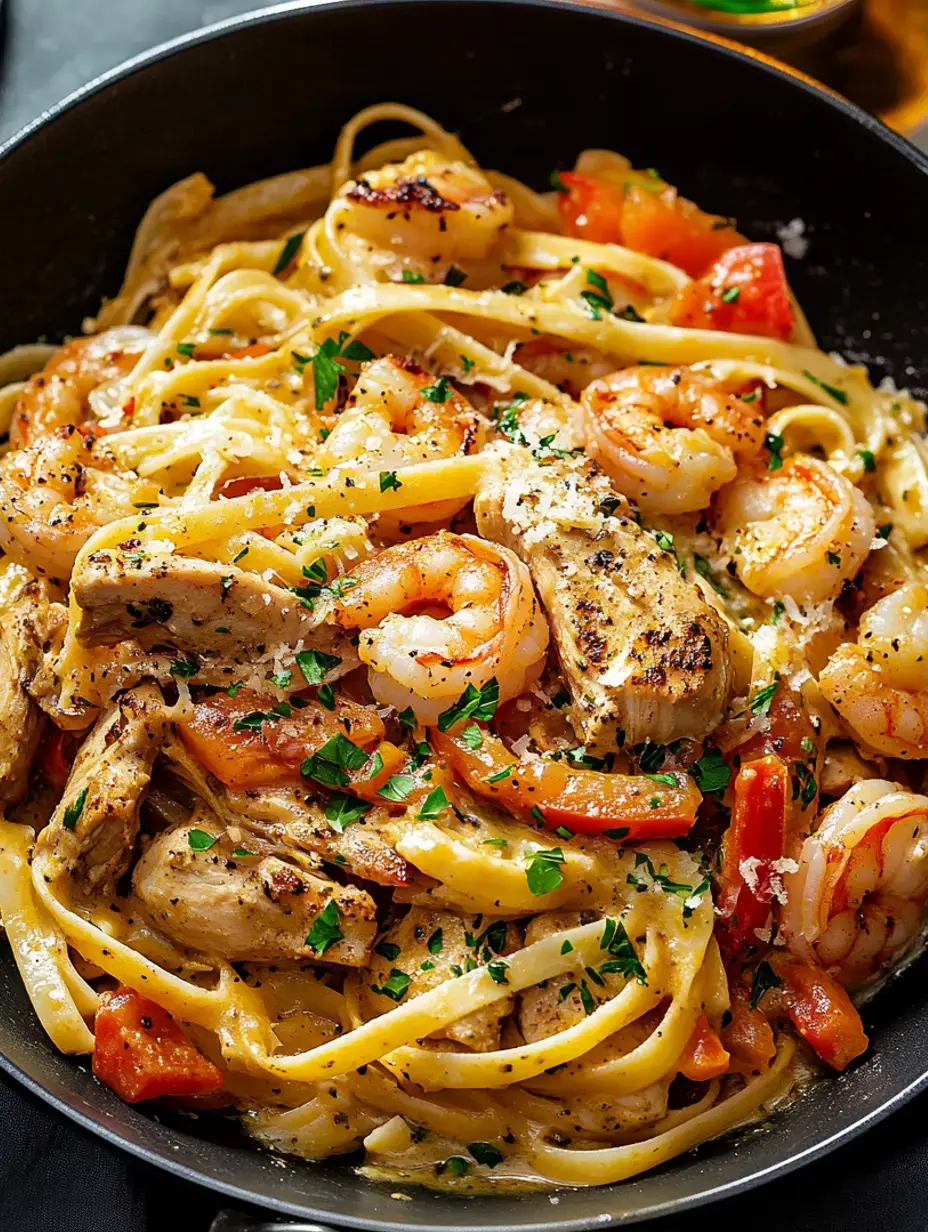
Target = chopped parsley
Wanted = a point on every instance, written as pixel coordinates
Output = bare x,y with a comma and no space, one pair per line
455,277
435,804
710,772
764,979
329,764
773,442
544,874
73,811
342,810
389,480
731,296
805,788
486,1153
200,840
704,569
281,679
316,664
868,459
435,942
397,788
186,667
473,703
407,718
325,930
287,253
514,288
395,987
497,969
409,276
387,950
760,702
839,395
471,737
441,391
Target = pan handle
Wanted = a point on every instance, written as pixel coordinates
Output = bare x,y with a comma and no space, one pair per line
239,1221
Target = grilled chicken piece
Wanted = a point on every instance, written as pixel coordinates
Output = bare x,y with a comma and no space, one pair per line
440,940
93,831
247,908
542,1009
282,815
197,605
281,819
644,655
20,718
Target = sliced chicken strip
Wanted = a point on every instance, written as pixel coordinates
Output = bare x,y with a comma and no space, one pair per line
432,947
249,908
92,835
644,655
197,605
281,818
20,718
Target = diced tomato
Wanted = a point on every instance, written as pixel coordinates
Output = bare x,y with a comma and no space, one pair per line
704,1056
591,209
56,754
250,483
823,1013
747,1035
253,351
661,224
745,292
559,794
756,836
142,1053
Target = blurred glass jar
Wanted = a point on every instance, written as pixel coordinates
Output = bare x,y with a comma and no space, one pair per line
778,26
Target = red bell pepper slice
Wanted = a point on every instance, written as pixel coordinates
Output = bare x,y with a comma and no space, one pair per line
142,1053
757,834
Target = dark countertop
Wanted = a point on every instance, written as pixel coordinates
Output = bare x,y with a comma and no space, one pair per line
50,48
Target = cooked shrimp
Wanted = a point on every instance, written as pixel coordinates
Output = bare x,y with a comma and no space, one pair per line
880,686
57,396
883,717
491,623
399,415
803,530
855,902
55,493
420,216
670,437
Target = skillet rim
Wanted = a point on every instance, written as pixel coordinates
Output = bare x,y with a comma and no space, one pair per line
151,1153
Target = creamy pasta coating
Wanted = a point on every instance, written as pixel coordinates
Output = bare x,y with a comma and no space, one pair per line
463,670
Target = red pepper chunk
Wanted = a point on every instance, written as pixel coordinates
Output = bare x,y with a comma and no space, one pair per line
704,1056
558,794
823,1014
141,1053
757,833
745,292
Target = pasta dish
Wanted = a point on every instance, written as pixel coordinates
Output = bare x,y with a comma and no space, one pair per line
464,675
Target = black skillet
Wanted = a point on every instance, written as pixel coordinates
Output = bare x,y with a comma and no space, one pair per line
527,85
